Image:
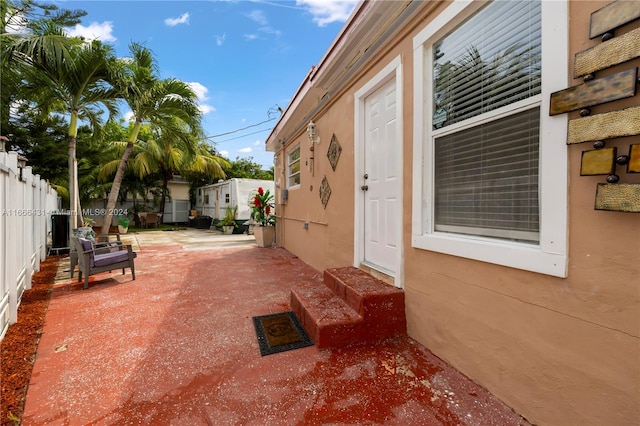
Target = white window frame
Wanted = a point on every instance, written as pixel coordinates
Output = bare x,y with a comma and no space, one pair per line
289,174
550,255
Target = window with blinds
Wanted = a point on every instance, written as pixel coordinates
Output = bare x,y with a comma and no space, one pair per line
486,167
293,168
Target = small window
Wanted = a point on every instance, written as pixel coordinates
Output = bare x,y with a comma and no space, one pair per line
226,198
293,168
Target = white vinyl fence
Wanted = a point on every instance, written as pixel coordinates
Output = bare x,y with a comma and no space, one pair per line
26,204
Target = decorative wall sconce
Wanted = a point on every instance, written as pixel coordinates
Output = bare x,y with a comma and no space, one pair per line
22,163
312,132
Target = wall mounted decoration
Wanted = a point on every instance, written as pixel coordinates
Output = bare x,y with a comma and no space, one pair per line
613,50
620,197
609,125
612,16
607,54
325,192
594,92
598,162
633,166
334,151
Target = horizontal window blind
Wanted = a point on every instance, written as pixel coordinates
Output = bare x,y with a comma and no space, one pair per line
489,61
486,179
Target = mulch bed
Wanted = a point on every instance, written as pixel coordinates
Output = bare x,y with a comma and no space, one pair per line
19,345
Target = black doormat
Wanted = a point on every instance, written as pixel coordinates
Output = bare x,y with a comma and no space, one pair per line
280,332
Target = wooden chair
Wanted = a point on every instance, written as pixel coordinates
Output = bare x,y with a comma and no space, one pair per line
103,243
91,262
152,219
142,218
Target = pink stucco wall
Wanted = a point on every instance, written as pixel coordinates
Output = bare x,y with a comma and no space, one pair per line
558,350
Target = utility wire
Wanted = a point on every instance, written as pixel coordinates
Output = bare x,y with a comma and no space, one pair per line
248,134
273,110
239,130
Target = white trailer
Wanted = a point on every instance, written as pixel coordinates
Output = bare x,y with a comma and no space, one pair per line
212,200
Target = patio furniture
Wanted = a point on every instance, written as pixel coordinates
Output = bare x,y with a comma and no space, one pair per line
102,243
91,262
152,219
147,218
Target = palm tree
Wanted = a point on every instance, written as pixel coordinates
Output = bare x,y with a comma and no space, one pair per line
70,77
165,157
167,104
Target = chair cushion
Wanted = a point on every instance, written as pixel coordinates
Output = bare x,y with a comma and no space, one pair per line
86,244
107,259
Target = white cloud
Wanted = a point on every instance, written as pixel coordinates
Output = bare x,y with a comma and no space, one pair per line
327,11
270,30
95,31
128,116
201,92
245,150
257,143
220,39
224,154
258,16
182,19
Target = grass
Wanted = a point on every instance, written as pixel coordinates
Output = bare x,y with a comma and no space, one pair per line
162,227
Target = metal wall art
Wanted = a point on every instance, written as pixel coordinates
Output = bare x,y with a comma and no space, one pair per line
334,151
598,162
621,197
325,192
634,159
612,196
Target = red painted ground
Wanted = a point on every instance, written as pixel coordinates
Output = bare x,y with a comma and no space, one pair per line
177,346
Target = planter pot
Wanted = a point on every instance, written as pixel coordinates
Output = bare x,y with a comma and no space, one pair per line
265,235
122,229
228,230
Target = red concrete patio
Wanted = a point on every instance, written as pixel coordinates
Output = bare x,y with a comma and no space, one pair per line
177,346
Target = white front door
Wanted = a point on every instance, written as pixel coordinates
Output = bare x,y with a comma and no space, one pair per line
381,180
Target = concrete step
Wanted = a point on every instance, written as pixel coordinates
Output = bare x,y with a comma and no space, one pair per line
351,308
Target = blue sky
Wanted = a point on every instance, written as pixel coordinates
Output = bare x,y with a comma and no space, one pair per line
243,58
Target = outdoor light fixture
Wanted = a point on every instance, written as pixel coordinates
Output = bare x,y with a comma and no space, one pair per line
22,163
312,132
3,141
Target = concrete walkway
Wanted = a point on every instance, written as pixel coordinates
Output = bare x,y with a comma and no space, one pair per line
177,347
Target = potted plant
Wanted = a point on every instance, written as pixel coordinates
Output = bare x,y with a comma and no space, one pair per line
123,224
261,212
228,222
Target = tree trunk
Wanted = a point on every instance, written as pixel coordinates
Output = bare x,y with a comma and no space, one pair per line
74,192
163,197
115,188
117,180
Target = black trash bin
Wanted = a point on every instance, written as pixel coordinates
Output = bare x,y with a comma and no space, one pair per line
59,232
203,222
